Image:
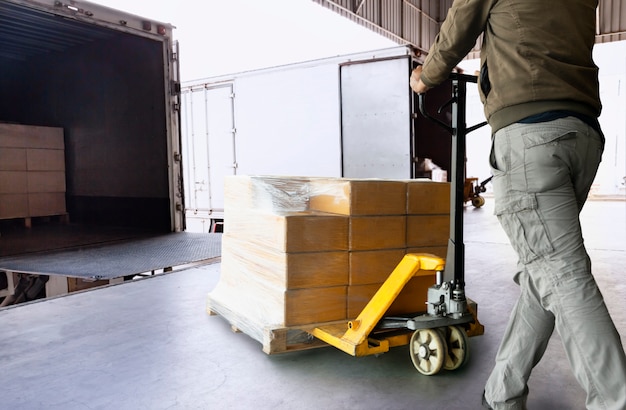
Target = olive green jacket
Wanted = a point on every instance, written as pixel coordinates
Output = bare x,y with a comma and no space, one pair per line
536,55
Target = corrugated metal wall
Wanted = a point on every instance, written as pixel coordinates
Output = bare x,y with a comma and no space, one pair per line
414,22
417,22
611,21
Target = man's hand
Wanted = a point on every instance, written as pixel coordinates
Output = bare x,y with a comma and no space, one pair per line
416,83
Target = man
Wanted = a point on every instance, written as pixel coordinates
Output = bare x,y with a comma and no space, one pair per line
539,87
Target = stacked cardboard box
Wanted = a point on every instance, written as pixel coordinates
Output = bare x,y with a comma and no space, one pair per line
387,219
301,251
282,263
428,217
32,171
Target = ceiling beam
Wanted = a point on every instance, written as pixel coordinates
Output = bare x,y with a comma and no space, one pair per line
417,22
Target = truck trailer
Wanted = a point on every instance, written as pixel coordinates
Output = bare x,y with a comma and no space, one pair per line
89,137
351,116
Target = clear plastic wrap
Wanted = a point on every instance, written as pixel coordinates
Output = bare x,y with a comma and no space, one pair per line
299,251
358,197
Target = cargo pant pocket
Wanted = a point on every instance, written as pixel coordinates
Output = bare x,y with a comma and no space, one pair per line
512,157
524,226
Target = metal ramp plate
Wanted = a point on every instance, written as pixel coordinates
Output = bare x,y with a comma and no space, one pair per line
119,258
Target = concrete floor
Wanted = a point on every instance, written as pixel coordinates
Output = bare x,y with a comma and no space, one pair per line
148,344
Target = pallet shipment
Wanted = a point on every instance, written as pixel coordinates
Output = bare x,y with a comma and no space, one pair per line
302,253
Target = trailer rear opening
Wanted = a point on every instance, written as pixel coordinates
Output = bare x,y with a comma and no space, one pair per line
90,163
108,86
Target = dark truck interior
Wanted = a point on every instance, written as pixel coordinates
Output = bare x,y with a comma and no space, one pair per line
105,89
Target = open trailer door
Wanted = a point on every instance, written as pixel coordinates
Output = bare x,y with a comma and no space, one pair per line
376,118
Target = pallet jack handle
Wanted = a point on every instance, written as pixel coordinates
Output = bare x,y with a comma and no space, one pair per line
455,261
421,98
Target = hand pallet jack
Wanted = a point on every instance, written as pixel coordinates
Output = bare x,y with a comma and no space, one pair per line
473,189
439,338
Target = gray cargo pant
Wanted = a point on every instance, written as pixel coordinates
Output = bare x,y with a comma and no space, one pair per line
542,175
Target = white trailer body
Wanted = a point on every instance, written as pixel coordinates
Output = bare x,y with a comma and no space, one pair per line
346,116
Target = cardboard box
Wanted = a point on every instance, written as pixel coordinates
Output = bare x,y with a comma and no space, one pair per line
323,264
13,206
260,304
441,251
412,298
30,136
13,182
77,284
425,197
357,197
377,232
46,204
46,181
12,159
285,270
45,159
317,305
368,267
32,163
305,231
427,230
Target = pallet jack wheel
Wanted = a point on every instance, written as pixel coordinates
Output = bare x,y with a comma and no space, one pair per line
478,201
458,348
428,351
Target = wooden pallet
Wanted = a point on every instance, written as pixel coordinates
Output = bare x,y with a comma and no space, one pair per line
60,218
274,339
278,339
27,221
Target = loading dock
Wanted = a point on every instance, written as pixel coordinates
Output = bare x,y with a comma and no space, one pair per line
149,344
